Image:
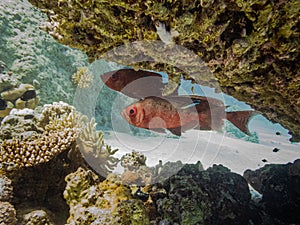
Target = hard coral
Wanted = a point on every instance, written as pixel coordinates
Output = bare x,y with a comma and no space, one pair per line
8,213
106,203
250,46
37,217
29,138
82,78
6,189
31,152
98,155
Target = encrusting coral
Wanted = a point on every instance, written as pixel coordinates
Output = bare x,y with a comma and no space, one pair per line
106,203
251,47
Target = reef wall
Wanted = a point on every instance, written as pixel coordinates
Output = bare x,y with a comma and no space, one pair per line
31,56
251,47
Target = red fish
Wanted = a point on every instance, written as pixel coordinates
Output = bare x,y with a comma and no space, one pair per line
136,84
178,114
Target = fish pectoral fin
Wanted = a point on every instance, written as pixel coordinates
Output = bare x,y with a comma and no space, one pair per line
176,131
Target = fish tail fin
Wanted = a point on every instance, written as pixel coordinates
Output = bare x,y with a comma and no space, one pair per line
240,119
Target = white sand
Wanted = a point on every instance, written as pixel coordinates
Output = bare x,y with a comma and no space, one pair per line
212,147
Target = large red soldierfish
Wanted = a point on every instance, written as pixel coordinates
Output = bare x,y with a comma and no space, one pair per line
134,83
178,114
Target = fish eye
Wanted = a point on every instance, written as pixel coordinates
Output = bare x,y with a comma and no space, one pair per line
132,111
114,76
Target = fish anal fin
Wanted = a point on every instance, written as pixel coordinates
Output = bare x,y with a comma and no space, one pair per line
240,119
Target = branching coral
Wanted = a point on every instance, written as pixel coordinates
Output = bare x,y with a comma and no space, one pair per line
31,139
135,170
82,78
96,153
31,152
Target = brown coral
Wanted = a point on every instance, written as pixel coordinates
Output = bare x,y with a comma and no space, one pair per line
28,153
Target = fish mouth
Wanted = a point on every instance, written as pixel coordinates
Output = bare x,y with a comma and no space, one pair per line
125,116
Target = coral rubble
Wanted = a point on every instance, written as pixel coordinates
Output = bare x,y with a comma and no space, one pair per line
250,46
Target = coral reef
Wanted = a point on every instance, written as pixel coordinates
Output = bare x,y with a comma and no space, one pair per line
16,95
280,188
6,189
107,202
38,149
250,46
97,154
213,196
37,217
82,78
8,214
32,56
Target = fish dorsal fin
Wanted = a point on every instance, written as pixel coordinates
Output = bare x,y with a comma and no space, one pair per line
176,131
193,104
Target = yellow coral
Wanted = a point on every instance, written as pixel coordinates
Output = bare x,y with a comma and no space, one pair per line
31,152
82,78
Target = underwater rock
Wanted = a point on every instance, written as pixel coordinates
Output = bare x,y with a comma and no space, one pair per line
37,217
8,214
20,124
135,170
6,189
279,185
31,54
213,196
106,202
251,47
